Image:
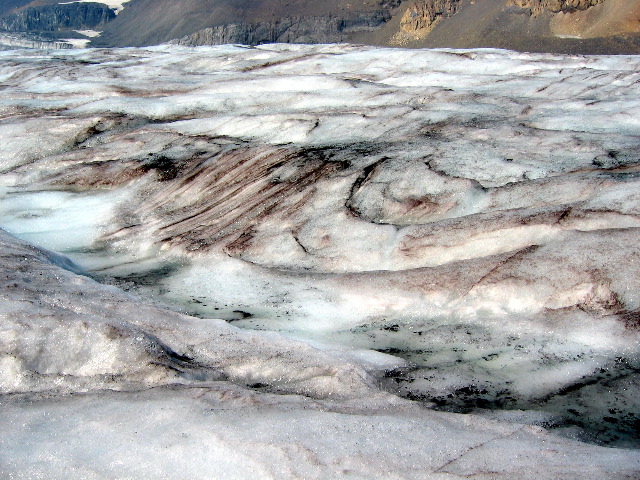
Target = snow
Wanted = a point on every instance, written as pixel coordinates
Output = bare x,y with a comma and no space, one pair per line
116,5
89,33
78,42
327,238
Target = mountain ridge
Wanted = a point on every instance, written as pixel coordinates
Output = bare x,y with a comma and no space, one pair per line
560,26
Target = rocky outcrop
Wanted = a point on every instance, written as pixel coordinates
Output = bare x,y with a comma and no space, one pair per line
58,17
325,29
560,26
555,6
608,19
421,17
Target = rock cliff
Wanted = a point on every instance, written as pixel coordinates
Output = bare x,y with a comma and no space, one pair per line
555,6
321,29
57,17
149,22
421,16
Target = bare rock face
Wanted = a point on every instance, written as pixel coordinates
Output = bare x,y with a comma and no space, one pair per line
555,6
58,17
324,29
149,22
422,16
562,26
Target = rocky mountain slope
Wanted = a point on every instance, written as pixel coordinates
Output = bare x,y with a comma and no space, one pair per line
57,17
537,7
9,6
589,26
572,26
321,29
145,22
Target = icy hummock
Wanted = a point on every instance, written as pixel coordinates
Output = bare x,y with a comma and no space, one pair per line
96,383
307,232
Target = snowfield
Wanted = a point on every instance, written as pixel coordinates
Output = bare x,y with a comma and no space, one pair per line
326,261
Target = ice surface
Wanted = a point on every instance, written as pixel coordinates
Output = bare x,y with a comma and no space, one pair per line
78,42
223,431
101,382
116,5
55,339
458,228
88,33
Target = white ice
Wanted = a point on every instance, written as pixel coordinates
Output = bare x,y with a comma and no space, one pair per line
455,227
78,42
89,33
127,390
116,5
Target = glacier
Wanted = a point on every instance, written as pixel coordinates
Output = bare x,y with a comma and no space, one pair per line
327,261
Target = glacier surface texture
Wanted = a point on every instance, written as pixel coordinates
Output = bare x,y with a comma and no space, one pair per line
326,261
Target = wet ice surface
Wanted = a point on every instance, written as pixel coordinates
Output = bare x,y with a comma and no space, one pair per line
96,384
457,228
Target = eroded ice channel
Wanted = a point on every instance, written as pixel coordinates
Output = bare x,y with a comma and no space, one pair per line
454,227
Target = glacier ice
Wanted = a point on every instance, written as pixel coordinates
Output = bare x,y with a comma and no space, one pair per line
96,383
321,230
